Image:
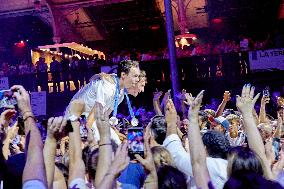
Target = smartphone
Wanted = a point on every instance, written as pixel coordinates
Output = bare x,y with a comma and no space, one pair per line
16,140
6,99
21,126
266,92
83,128
135,138
170,95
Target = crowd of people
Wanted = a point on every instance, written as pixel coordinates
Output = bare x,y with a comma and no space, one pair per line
87,147
195,49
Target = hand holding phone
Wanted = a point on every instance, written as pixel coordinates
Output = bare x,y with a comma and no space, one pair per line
135,138
6,99
266,92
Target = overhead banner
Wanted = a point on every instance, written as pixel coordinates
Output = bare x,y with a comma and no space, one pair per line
4,83
267,59
38,102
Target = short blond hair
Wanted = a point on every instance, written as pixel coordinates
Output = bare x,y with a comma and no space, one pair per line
161,156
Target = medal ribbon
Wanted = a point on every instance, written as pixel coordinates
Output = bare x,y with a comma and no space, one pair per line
129,104
116,96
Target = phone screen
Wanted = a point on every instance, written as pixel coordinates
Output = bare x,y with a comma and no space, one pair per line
265,92
21,126
83,128
135,142
7,100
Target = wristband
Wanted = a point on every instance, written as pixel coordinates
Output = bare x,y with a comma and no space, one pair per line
29,117
106,144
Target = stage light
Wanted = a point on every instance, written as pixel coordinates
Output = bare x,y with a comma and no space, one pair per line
217,20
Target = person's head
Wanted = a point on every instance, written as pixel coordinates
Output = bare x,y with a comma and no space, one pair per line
161,156
142,81
265,130
251,181
184,125
233,119
220,124
216,143
210,112
170,177
242,160
203,119
158,128
134,91
53,58
90,158
129,72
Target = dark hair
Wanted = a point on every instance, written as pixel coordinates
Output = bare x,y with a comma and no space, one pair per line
217,145
171,178
158,127
243,160
125,66
64,170
250,180
90,158
203,115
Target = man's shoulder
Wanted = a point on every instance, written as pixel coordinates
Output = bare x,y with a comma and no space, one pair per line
105,85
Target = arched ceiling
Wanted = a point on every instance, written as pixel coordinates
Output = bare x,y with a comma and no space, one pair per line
91,20
69,17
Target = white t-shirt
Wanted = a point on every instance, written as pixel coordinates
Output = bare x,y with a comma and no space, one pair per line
217,167
101,91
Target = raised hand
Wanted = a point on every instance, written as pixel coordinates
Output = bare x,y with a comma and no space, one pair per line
157,95
147,162
120,162
53,126
245,102
269,151
195,103
6,117
227,96
170,112
265,100
188,98
23,98
183,93
102,120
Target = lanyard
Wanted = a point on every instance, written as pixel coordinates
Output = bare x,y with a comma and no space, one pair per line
113,120
129,104
116,96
